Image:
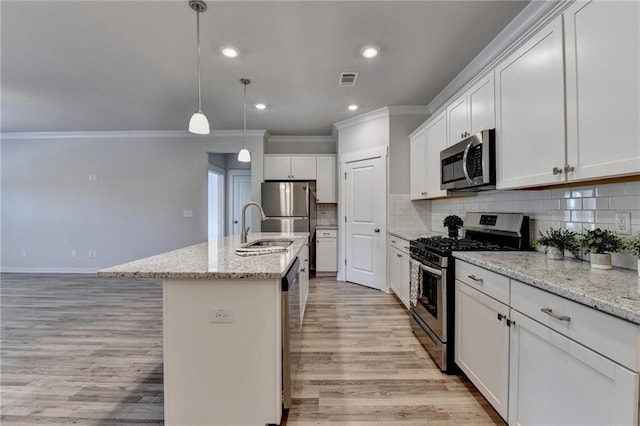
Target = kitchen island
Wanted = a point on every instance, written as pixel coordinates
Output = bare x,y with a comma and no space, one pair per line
222,329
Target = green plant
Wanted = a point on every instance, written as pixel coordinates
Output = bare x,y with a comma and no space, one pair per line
601,241
562,239
633,245
452,222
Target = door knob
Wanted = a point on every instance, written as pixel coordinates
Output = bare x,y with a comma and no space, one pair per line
376,230
235,221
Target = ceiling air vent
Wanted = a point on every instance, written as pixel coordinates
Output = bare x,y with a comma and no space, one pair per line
348,79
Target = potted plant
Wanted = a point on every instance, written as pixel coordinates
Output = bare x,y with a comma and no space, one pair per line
633,245
557,241
601,243
452,222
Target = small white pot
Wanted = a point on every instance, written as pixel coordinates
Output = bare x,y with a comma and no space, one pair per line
555,253
601,260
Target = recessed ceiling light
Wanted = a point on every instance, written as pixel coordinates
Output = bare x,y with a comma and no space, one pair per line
229,52
352,107
261,106
369,52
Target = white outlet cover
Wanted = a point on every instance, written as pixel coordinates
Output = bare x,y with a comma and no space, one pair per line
622,224
220,315
187,213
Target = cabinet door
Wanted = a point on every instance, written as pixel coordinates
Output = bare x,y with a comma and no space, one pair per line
326,255
397,261
530,111
436,142
556,381
457,119
602,42
303,168
277,167
326,180
417,165
482,344
481,99
304,280
405,282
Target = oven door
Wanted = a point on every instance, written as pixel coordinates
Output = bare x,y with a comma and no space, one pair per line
432,302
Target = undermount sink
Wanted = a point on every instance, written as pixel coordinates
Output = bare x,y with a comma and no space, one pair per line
267,244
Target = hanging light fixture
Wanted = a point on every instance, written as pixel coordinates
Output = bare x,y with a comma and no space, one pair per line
199,123
244,155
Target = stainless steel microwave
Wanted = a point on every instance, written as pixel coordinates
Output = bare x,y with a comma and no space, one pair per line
470,164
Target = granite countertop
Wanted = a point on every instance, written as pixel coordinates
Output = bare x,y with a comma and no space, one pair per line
408,234
214,259
326,227
616,291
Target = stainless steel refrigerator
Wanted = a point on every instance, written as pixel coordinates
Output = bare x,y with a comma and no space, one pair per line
290,207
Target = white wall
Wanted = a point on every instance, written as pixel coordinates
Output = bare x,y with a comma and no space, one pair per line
301,145
135,209
400,126
365,135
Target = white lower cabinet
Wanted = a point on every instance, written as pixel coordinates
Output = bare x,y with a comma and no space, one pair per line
482,344
399,268
326,251
556,381
535,358
304,280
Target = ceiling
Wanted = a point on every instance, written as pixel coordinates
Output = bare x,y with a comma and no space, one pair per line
131,65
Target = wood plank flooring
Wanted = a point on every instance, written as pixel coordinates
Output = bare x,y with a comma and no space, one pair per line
77,349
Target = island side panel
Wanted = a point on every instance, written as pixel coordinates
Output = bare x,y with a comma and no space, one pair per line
222,373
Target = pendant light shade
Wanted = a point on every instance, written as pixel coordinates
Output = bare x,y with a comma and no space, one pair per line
199,124
244,155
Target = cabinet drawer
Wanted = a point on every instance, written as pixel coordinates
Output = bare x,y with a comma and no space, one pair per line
399,243
612,337
487,282
326,233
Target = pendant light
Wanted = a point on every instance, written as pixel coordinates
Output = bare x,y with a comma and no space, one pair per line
244,155
198,123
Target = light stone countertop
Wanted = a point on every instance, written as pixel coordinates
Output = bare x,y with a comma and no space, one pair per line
616,292
215,259
408,234
326,227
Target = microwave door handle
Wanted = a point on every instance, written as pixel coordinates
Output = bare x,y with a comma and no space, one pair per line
464,163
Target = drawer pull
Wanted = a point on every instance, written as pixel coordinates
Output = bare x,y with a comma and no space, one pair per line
473,277
393,241
500,317
550,312
399,255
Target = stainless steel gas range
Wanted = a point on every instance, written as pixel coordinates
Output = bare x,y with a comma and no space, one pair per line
432,310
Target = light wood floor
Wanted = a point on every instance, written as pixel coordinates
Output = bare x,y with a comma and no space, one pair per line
76,349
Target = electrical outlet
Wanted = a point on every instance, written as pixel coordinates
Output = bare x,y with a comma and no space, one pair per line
622,224
95,253
187,213
221,315
74,253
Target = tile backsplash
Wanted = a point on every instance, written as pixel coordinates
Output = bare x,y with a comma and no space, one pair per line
408,215
577,208
327,214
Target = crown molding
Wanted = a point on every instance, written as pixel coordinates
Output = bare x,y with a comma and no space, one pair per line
409,110
302,139
362,118
126,135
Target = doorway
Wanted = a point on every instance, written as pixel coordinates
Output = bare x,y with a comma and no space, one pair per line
215,202
239,195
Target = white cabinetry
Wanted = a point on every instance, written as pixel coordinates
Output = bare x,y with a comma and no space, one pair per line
304,280
285,167
399,268
602,45
436,142
482,343
417,165
555,380
530,131
473,111
326,179
326,251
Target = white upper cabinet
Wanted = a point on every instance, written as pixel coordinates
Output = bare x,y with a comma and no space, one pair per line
326,179
602,47
472,112
418,165
530,131
436,142
286,167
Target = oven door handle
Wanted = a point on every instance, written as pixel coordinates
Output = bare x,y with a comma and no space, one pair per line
431,270
465,156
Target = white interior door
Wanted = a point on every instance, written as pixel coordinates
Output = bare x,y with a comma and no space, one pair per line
216,204
239,196
366,220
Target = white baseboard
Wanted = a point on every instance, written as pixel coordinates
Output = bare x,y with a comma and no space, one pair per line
22,270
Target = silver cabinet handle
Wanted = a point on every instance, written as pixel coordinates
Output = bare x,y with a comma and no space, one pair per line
399,255
406,247
501,317
302,270
393,241
557,171
559,317
376,230
568,168
473,277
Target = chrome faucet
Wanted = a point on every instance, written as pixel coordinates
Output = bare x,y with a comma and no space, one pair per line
245,229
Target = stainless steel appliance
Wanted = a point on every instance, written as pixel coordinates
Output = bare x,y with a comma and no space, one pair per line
469,164
291,207
290,299
432,316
